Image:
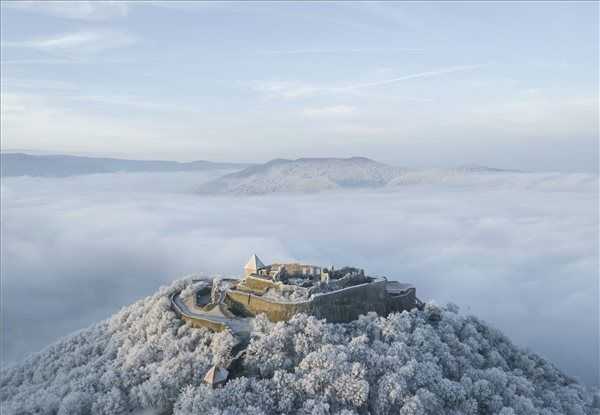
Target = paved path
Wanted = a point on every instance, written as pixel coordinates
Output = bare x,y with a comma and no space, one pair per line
239,326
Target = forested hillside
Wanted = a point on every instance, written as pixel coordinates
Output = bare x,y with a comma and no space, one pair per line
434,361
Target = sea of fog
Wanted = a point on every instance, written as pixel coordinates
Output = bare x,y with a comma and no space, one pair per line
519,251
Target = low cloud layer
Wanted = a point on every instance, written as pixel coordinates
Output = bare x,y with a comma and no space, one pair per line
522,257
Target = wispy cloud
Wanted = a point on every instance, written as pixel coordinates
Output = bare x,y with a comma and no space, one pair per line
334,111
76,10
338,51
427,74
58,94
80,41
67,61
297,90
36,85
286,90
52,120
134,103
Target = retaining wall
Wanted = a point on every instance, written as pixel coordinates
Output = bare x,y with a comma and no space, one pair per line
198,322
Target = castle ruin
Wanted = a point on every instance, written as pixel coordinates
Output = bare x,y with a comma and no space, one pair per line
281,290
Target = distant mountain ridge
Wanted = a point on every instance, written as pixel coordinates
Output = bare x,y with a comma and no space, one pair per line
310,175
302,175
21,164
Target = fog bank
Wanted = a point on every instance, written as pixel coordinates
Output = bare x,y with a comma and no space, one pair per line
523,257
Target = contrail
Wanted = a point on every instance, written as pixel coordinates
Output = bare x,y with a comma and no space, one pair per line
427,74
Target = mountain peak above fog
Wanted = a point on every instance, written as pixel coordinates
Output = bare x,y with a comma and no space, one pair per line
310,175
316,161
305,175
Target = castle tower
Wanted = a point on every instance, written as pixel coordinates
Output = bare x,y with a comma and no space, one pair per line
253,265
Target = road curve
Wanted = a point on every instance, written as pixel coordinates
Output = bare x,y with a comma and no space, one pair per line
240,326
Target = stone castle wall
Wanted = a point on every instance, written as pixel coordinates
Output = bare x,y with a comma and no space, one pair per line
258,284
405,301
348,303
339,306
247,304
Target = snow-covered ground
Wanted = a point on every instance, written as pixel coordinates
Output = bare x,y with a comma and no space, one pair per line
520,251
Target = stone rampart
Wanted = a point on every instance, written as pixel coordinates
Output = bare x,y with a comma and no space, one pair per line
337,306
404,301
348,303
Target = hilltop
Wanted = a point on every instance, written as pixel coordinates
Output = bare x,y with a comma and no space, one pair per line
429,361
305,175
315,175
312,175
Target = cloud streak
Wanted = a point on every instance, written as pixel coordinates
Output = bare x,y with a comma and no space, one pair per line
330,111
76,10
84,41
290,90
339,51
426,74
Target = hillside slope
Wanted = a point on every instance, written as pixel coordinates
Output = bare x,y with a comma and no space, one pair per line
20,164
313,175
304,175
424,362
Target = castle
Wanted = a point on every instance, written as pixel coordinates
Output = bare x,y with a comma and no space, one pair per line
281,290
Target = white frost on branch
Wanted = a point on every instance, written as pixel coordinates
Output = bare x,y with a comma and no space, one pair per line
423,362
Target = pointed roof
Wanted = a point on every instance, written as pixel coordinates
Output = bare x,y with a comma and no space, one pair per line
216,375
254,263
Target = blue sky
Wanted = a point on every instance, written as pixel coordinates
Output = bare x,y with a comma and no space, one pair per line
417,84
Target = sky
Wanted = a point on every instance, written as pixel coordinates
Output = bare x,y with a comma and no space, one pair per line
505,84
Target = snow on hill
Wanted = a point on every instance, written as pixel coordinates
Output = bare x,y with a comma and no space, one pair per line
434,361
311,175
304,175
20,164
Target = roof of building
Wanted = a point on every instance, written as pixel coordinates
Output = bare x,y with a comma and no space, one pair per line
216,375
254,263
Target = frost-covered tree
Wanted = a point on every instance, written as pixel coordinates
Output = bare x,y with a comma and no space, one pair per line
434,361
75,403
141,357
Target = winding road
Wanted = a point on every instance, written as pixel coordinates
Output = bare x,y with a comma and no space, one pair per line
238,326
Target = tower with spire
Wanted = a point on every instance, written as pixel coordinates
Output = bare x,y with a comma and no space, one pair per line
253,265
